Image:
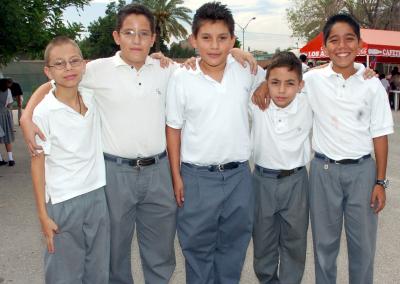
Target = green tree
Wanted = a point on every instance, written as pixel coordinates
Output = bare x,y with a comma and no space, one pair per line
168,15
177,51
307,17
100,42
27,26
238,43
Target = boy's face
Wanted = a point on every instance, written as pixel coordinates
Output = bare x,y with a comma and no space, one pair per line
283,85
214,42
135,39
66,66
342,47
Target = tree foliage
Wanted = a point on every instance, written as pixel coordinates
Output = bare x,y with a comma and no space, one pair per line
177,51
307,17
27,25
168,14
99,42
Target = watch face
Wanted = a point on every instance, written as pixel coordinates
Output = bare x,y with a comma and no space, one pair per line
383,182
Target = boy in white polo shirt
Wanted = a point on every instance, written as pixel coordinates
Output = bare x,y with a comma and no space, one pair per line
209,146
69,175
352,117
281,145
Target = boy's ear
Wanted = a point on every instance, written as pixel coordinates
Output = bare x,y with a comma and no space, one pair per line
47,72
84,66
115,35
153,39
301,85
192,40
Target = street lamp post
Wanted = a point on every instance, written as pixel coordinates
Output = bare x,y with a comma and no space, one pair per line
244,29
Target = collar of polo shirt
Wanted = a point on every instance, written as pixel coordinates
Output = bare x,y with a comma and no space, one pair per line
118,61
328,71
54,104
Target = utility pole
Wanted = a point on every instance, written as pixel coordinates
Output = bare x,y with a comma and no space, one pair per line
244,29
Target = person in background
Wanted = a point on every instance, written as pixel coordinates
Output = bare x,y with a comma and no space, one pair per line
6,122
385,82
304,66
17,94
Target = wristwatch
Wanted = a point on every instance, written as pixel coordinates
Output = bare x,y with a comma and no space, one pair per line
383,182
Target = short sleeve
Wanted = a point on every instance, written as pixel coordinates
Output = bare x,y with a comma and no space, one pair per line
42,122
175,102
9,99
381,115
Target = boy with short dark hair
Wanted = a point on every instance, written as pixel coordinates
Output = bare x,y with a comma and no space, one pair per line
209,146
281,149
69,175
352,117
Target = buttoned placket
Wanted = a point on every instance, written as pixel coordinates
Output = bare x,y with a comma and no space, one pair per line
341,85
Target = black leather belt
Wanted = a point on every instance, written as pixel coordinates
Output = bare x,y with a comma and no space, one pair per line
342,162
277,173
139,162
216,168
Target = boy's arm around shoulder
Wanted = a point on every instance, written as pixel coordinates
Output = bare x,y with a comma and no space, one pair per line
30,129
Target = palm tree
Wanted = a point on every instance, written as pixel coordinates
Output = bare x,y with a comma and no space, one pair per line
168,14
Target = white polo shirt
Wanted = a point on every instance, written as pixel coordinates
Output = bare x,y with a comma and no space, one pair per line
213,115
131,105
281,136
74,162
347,113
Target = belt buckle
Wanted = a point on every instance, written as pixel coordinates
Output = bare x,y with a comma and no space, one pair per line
138,163
221,168
285,173
337,162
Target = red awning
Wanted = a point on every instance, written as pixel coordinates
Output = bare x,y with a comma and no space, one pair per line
381,46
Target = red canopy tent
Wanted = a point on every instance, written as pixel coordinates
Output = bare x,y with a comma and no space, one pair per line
377,46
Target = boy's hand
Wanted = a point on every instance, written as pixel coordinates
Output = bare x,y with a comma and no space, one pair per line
49,229
261,96
190,63
245,58
164,61
29,130
378,198
369,73
178,190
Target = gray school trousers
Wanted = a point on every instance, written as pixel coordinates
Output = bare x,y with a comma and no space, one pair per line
280,226
141,196
215,223
82,246
337,192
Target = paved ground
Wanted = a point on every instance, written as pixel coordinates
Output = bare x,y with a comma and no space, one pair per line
21,246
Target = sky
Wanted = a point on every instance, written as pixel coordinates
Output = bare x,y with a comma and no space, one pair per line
267,32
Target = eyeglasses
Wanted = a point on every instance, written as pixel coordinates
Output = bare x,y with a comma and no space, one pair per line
131,34
62,64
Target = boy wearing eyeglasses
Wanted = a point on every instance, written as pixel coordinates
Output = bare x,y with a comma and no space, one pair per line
69,173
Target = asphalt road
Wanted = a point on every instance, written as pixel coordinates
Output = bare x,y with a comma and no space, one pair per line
21,244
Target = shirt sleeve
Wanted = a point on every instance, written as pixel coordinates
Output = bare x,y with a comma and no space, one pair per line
175,102
381,115
9,99
42,121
